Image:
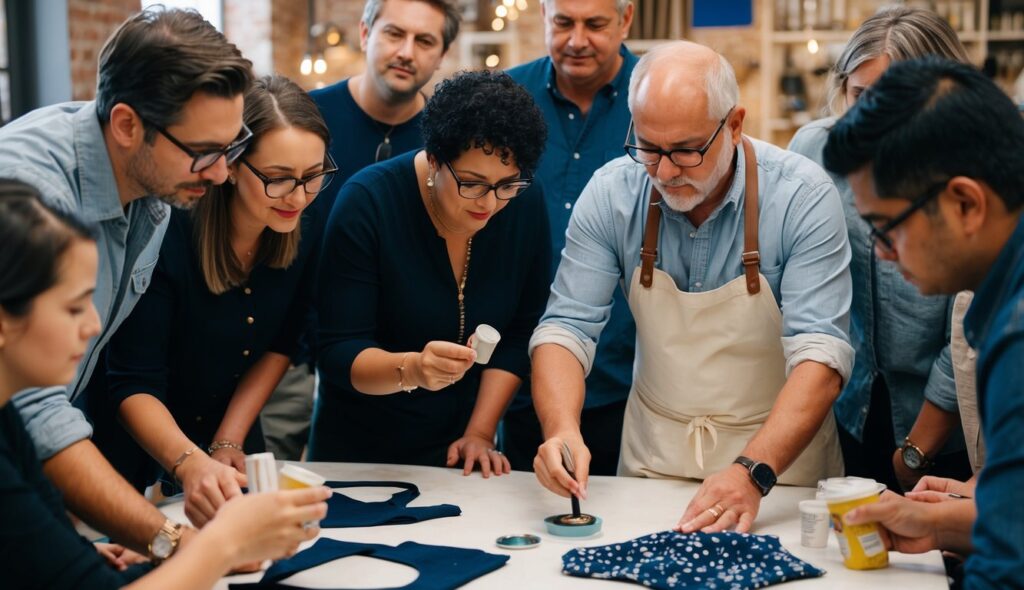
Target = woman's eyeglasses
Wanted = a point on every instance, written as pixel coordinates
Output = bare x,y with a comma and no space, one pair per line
505,190
278,187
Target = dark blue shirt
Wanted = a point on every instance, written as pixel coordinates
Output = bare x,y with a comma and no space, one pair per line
995,327
386,282
189,347
576,147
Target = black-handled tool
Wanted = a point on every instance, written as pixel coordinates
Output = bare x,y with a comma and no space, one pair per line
570,466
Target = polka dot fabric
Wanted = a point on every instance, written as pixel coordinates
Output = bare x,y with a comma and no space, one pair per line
715,561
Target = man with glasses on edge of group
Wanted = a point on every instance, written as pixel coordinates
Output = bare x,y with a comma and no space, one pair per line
933,153
372,117
735,262
166,121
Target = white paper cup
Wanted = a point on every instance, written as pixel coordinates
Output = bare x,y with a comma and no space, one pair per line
483,342
814,523
261,471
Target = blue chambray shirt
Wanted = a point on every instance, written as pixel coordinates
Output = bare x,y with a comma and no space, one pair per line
805,256
576,147
898,333
994,325
60,150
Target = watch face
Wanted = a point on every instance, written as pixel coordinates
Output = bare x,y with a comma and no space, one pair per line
764,477
162,546
912,458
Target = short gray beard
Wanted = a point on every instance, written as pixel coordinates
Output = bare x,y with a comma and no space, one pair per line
704,187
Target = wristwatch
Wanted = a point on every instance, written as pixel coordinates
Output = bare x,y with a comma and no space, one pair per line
913,457
761,474
166,540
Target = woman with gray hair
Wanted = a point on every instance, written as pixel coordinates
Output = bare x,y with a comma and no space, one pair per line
899,407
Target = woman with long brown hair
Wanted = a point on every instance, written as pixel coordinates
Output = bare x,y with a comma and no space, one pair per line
191,368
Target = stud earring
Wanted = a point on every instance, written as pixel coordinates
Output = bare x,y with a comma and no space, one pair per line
430,179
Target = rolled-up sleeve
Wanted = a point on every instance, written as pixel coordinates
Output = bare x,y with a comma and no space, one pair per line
50,419
590,270
816,289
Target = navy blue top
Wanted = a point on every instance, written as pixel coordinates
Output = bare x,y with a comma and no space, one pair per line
994,326
189,347
354,140
576,147
344,512
386,282
39,547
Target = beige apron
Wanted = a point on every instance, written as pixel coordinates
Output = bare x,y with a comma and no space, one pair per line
709,367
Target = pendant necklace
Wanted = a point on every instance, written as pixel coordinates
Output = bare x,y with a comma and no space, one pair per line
461,285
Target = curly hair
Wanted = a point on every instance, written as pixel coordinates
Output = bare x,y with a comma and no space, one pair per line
488,110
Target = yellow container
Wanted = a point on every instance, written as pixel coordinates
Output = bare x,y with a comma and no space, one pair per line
293,477
861,544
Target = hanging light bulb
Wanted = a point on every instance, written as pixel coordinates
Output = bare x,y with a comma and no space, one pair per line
500,11
812,46
306,67
521,5
492,60
320,64
509,3
497,24
513,13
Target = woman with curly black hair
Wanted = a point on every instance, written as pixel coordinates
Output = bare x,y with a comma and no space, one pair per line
418,251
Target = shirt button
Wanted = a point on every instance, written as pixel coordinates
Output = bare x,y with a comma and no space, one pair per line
571,116
693,234
245,353
249,320
247,291
698,284
576,156
568,205
614,94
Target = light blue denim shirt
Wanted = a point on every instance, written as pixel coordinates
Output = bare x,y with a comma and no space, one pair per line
898,333
61,152
804,254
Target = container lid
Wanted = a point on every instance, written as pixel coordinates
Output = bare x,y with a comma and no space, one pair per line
302,475
851,489
519,541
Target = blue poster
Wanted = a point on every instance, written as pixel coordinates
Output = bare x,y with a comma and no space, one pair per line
723,13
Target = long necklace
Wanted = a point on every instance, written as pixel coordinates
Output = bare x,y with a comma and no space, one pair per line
435,213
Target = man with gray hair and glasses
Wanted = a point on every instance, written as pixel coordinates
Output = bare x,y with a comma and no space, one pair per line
734,258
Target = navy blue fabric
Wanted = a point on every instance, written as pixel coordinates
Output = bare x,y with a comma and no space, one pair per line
713,561
440,567
343,511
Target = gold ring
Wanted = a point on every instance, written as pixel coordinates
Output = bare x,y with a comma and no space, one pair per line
715,513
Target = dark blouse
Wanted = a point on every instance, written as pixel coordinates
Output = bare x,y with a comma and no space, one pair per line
190,348
386,282
39,547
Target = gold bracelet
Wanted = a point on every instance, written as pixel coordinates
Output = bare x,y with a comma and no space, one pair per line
181,459
401,376
223,444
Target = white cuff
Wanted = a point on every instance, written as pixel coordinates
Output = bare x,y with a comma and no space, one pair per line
830,351
582,348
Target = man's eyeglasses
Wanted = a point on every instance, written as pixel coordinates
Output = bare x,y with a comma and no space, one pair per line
879,235
681,157
279,187
203,160
506,190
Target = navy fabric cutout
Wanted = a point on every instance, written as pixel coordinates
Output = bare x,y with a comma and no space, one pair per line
440,568
668,560
343,512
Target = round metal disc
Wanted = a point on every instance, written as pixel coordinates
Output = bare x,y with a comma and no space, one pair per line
522,541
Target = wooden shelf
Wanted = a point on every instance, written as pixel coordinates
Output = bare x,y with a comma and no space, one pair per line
1006,36
822,36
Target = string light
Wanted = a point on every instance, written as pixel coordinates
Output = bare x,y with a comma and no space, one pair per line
492,60
306,67
497,24
812,46
320,64
501,11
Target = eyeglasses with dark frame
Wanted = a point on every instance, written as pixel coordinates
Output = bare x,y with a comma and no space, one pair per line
879,234
203,160
681,157
506,190
279,187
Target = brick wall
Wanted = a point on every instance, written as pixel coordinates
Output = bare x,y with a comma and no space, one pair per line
90,23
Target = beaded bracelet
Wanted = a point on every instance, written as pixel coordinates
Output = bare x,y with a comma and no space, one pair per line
401,376
223,444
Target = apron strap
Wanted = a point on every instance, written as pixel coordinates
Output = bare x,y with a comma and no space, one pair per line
649,249
751,256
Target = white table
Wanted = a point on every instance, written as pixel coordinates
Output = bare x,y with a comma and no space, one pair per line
516,503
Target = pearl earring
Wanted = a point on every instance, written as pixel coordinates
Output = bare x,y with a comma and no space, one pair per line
430,179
